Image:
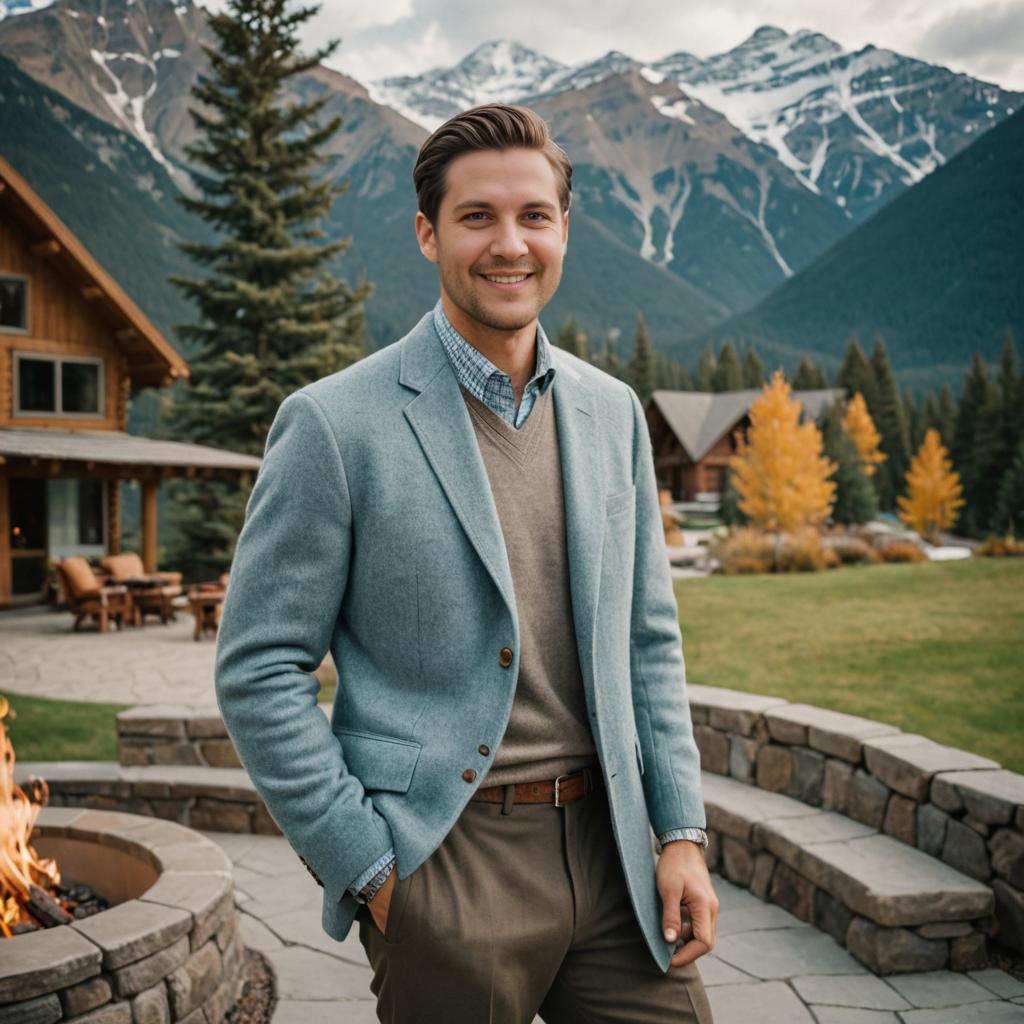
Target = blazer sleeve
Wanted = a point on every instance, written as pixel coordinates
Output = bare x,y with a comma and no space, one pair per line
671,779
287,581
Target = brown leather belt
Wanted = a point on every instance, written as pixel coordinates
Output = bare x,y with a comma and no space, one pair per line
563,790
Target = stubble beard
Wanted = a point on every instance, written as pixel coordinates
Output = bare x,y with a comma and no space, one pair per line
467,299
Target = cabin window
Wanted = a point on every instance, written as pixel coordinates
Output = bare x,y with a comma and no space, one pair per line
12,304
57,385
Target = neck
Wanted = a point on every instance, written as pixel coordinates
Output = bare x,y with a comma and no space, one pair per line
514,352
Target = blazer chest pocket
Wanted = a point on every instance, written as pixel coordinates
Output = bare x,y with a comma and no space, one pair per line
619,502
378,761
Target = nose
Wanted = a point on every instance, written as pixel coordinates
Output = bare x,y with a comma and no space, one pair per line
508,241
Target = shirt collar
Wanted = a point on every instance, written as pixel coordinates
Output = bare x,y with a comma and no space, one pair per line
461,352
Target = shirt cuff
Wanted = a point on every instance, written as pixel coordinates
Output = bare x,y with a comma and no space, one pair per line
695,835
371,873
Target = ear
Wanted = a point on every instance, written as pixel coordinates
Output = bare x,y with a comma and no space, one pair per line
426,237
565,231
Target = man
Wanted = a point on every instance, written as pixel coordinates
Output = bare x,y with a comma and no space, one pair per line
469,521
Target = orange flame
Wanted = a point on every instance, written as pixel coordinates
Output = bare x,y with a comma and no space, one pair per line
19,864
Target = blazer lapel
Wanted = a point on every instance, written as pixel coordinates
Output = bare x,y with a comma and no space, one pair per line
583,486
441,422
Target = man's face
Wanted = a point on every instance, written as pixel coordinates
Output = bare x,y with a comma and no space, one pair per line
500,217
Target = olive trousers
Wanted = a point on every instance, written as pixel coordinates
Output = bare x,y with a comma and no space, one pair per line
522,914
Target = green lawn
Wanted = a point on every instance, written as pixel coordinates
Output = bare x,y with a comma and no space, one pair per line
935,647
62,730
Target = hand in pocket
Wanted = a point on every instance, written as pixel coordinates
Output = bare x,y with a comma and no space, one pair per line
381,902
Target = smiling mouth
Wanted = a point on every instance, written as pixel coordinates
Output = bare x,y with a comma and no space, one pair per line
507,280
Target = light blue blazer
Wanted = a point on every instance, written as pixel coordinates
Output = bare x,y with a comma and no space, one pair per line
371,531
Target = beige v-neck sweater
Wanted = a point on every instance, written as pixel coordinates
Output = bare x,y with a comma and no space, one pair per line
548,732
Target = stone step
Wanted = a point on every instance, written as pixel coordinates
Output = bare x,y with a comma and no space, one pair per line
895,907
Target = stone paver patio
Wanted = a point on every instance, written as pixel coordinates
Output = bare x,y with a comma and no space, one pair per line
767,965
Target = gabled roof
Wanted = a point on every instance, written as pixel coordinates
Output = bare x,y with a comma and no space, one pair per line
151,359
699,419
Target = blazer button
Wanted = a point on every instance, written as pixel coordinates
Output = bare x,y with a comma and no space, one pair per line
484,749
505,657
469,775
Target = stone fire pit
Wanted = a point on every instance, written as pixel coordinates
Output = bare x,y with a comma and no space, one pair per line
168,949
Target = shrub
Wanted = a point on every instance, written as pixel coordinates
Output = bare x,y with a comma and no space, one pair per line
803,552
902,551
850,549
747,550
1000,547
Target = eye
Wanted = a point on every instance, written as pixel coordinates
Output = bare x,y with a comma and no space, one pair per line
477,213
537,213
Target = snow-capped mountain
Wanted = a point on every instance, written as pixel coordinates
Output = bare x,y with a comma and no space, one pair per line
489,74
12,7
857,128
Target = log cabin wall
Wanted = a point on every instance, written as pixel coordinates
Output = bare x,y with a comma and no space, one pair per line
59,321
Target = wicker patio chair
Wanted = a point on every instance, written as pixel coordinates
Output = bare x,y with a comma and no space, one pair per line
153,593
88,597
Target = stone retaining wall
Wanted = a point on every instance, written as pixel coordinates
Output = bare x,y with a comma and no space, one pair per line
956,806
173,954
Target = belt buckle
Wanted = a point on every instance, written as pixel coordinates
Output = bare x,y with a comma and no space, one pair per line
566,775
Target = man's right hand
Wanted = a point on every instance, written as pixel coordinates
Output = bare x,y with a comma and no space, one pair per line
381,902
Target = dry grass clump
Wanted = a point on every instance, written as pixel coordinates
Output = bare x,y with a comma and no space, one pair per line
850,549
747,550
902,551
1000,547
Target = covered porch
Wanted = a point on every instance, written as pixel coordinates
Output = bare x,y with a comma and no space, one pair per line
60,496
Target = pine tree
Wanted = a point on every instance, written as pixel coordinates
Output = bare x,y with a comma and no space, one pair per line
1008,514
728,374
808,376
947,416
572,338
971,438
641,366
933,490
753,370
915,420
729,510
892,425
931,418
780,472
272,317
1011,396
609,360
705,370
858,424
856,374
856,501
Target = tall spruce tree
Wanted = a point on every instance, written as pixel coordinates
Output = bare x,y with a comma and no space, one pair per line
892,425
808,376
915,420
947,416
572,338
1011,396
753,370
1008,514
856,501
973,437
856,374
705,370
728,375
272,317
641,366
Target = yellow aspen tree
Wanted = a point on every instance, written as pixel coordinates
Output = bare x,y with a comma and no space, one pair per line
933,489
861,427
779,470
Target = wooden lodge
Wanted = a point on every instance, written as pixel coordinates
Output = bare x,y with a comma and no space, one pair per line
693,434
74,348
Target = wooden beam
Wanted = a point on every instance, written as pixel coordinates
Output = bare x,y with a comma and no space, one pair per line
92,292
48,247
149,525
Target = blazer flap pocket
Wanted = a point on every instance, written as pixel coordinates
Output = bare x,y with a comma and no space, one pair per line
620,501
379,762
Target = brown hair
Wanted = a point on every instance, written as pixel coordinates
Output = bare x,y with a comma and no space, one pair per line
492,126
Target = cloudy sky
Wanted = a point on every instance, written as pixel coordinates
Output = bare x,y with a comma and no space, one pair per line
984,38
